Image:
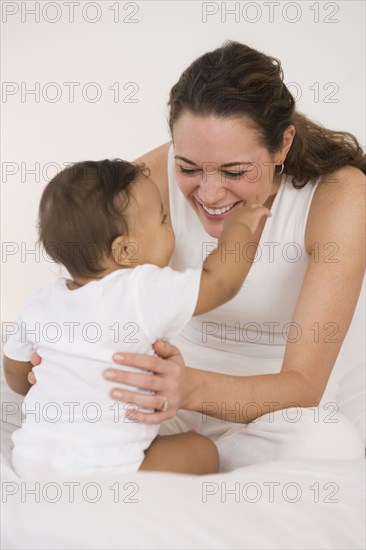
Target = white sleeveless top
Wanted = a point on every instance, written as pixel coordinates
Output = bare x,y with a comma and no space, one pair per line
248,334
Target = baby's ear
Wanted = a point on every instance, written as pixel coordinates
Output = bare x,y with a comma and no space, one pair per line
124,251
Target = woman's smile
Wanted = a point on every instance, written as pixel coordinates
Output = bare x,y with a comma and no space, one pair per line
218,212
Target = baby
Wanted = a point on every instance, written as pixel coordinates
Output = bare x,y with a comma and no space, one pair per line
105,222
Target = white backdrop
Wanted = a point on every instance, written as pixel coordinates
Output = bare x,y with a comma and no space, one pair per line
90,80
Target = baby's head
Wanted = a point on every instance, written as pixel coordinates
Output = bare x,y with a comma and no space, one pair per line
99,216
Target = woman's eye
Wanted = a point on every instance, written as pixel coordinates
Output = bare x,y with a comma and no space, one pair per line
188,170
235,174
191,171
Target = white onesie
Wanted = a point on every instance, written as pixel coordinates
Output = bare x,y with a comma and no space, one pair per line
70,423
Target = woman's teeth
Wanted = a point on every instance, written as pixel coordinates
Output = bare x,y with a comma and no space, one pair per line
217,211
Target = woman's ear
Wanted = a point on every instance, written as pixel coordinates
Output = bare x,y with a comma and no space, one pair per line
288,138
124,251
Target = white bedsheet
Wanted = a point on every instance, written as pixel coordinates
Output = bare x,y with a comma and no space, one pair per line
273,505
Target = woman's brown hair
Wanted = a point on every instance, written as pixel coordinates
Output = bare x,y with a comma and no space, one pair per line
236,80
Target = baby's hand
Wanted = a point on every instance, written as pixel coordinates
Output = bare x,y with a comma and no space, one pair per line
249,215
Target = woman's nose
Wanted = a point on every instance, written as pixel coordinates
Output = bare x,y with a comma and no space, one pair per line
212,190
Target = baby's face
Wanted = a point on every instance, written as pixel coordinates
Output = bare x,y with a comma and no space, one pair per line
151,235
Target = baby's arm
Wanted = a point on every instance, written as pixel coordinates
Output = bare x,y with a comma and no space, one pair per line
222,272
16,374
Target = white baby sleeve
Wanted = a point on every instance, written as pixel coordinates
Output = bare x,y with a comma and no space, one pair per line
165,299
18,346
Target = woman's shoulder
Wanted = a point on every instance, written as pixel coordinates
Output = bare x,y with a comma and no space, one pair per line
338,204
157,160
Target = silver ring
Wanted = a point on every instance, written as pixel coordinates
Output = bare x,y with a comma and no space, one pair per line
164,406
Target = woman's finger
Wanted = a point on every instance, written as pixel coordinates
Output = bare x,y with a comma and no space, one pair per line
139,360
36,359
165,349
142,361
149,418
141,381
31,378
152,401
148,362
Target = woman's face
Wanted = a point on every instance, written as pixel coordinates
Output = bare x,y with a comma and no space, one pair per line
219,165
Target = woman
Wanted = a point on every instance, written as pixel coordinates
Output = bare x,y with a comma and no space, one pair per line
260,365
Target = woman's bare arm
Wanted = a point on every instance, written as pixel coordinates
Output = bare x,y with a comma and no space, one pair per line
327,300
335,238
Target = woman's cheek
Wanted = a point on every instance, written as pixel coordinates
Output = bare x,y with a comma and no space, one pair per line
244,190
255,189
186,184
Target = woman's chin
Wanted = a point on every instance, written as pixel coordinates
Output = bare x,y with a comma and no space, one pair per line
212,227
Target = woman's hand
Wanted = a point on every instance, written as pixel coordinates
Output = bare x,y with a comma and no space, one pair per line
167,382
36,360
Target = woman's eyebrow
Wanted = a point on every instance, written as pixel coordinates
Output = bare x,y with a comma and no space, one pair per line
185,160
226,165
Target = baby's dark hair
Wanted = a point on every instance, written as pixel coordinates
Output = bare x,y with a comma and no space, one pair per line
81,212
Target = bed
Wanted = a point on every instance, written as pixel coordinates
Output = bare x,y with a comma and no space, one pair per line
297,504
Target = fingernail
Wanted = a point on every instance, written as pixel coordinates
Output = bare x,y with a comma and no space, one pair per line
109,374
118,357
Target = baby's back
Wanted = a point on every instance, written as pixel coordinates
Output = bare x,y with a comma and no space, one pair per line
69,418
